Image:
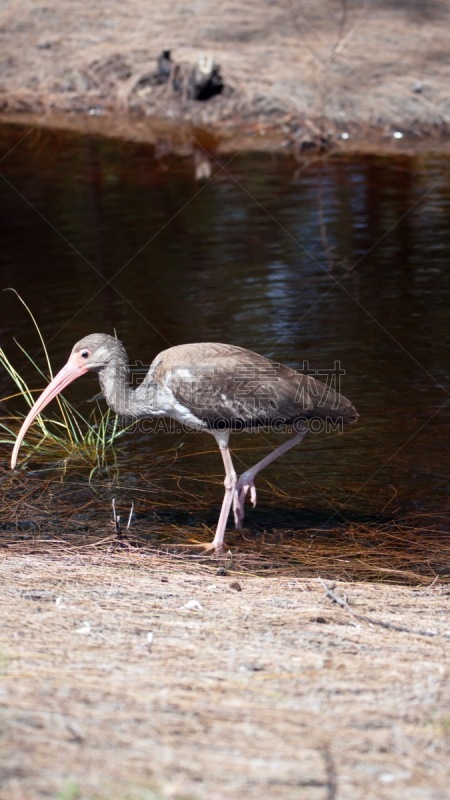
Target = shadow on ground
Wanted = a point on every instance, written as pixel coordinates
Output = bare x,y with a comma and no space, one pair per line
41,513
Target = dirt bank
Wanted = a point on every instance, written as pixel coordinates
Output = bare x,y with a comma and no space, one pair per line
295,75
123,678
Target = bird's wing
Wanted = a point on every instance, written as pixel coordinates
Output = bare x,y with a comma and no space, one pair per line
228,385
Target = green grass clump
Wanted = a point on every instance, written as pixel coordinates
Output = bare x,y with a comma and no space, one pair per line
61,434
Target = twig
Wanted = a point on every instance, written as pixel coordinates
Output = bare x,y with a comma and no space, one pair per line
116,520
342,602
390,499
332,784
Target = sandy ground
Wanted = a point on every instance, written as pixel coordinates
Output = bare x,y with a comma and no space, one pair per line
123,677
297,74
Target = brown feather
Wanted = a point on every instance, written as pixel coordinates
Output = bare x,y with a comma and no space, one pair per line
229,386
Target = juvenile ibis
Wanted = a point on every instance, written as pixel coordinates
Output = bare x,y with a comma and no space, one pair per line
209,387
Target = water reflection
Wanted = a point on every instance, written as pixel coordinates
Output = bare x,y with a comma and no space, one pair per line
321,261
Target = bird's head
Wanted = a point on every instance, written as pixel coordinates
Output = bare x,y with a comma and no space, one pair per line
91,354
95,352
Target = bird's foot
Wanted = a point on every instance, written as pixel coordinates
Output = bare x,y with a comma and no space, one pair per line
244,485
212,547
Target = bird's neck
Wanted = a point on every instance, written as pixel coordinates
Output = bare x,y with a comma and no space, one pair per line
114,382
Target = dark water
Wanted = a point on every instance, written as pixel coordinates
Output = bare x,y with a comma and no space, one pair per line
328,260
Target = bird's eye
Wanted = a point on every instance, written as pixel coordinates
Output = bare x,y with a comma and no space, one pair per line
84,354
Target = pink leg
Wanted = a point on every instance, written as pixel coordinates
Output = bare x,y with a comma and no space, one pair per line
246,481
230,486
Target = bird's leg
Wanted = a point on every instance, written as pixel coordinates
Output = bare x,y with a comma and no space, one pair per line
230,486
246,481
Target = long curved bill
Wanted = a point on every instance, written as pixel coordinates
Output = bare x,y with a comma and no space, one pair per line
70,372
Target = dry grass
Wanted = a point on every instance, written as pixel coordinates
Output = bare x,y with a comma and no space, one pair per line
146,670
39,513
131,677
329,65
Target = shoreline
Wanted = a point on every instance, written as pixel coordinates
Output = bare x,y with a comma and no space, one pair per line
184,138
345,77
